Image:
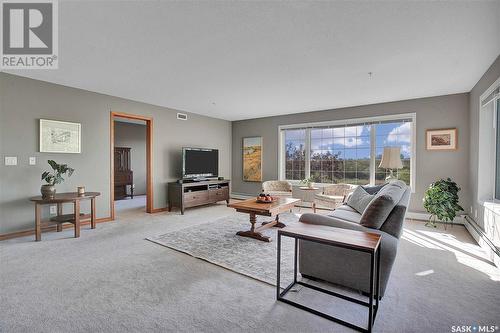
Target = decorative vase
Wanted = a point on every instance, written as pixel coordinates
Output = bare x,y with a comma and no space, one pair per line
48,191
81,190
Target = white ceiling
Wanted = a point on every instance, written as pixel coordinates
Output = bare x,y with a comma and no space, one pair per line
239,60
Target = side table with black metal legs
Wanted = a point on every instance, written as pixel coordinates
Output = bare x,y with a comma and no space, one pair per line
348,239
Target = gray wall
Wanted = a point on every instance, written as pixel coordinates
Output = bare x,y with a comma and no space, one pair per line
434,112
24,101
133,136
491,75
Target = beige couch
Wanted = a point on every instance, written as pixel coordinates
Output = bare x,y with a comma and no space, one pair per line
333,195
277,188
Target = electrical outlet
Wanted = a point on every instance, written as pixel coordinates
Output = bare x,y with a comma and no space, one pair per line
10,160
32,160
53,210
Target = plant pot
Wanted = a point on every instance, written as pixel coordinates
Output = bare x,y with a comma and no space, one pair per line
48,191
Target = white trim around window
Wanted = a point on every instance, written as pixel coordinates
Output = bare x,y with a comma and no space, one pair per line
346,122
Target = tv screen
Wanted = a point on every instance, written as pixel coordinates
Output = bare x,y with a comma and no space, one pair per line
200,162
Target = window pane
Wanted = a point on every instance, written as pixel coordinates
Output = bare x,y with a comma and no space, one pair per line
295,154
363,178
350,177
394,134
379,178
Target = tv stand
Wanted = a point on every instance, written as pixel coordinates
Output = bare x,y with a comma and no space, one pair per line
192,194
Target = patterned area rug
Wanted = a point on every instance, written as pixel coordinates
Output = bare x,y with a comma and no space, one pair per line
217,243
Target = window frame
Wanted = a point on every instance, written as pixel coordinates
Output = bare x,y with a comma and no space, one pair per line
346,122
496,124
488,193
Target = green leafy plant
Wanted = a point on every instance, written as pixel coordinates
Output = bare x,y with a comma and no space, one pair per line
307,181
441,200
56,177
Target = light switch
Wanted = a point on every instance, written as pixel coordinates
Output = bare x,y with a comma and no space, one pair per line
10,160
32,160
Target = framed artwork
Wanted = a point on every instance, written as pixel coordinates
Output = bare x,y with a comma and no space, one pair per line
441,139
60,137
252,159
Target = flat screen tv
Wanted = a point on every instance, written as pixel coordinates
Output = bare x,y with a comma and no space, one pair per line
200,163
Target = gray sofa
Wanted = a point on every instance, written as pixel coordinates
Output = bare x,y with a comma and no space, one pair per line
351,268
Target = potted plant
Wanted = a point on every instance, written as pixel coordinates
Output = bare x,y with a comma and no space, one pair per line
55,177
308,182
441,200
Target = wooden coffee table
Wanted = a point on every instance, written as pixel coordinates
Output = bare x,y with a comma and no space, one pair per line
254,208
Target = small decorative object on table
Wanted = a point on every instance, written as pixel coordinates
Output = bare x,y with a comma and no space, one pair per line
81,190
52,178
441,200
308,182
265,198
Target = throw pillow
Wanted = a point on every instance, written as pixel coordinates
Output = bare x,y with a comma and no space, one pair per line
359,199
373,189
382,205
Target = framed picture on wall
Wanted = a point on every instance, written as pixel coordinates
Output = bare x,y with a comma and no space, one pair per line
60,137
252,159
441,139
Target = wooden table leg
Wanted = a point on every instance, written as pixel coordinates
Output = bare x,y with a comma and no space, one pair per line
92,213
38,220
77,218
276,223
254,232
59,213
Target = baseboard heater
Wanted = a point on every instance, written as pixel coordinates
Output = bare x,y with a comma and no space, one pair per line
482,239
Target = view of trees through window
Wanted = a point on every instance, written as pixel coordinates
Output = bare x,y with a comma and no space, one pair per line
343,154
295,154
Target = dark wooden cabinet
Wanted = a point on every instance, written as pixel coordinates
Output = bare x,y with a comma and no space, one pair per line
124,176
194,194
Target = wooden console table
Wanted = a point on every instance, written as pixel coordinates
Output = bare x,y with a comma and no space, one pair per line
192,194
75,218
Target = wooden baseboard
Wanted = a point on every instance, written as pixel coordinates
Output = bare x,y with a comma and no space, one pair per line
31,232
159,210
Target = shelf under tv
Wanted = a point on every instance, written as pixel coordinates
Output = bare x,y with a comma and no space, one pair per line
192,194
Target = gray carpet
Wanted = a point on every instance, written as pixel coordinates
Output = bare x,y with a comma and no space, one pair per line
217,242
112,280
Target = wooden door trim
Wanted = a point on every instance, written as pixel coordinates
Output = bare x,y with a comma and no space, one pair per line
149,159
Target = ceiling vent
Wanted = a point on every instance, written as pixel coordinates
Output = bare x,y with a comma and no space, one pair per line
182,116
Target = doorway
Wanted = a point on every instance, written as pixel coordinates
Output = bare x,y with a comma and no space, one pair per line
131,163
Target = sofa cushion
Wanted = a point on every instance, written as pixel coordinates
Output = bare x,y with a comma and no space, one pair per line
359,199
373,189
382,204
346,213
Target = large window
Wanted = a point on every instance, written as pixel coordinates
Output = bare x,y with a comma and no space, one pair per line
345,152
